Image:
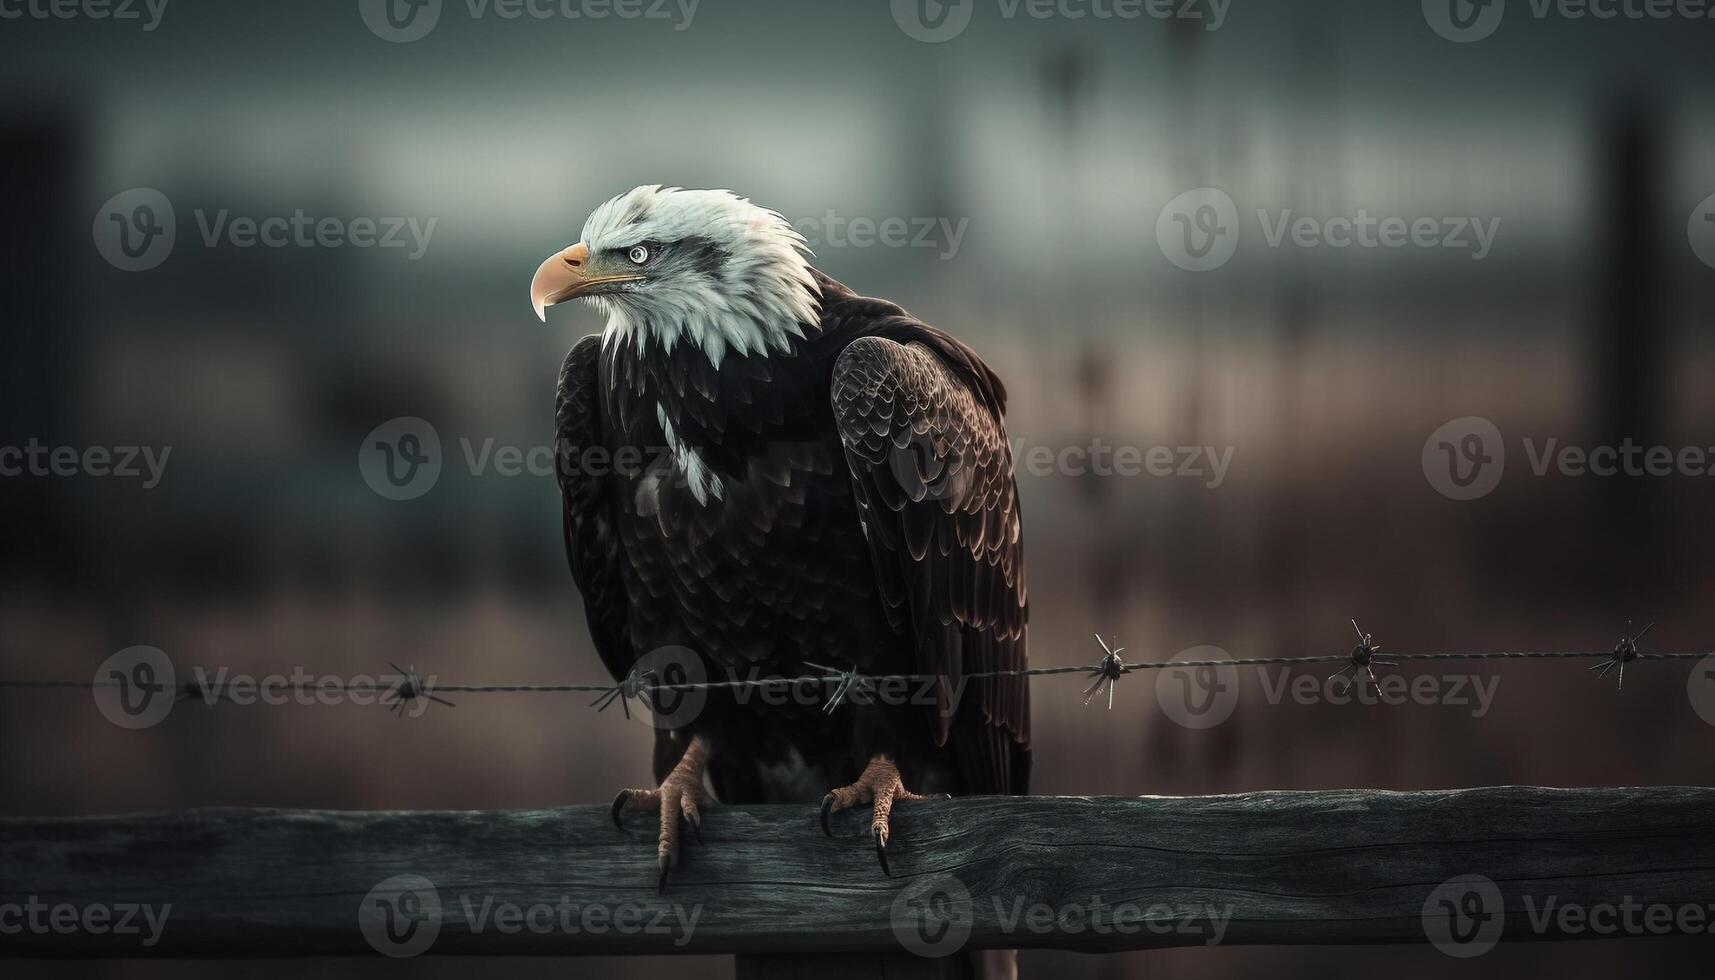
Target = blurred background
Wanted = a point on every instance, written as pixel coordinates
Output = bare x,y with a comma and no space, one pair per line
1034,162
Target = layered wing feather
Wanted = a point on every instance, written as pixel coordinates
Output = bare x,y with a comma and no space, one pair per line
933,477
588,501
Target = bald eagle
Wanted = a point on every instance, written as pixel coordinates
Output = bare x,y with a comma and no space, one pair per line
826,480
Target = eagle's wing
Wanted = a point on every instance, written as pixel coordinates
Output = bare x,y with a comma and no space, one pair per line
934,483
590,508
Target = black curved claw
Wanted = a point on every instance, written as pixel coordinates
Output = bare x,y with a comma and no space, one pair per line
619,802
696,827
881,852
661,883
827,808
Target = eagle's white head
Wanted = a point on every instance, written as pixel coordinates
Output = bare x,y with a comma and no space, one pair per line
707,268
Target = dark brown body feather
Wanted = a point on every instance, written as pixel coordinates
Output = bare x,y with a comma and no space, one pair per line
868,517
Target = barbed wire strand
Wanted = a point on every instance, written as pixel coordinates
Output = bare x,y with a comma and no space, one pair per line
870,678
410,686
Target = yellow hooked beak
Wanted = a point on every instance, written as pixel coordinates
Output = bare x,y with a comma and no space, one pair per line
566,275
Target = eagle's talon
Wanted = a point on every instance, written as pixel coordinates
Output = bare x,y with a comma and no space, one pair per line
827,809
881,786
680,801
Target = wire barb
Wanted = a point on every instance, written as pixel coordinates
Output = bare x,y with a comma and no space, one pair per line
195,690
1364,659
410,688
623,692
1624,653
844,682
1108,671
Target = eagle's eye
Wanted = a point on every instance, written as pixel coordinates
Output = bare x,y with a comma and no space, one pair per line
639,254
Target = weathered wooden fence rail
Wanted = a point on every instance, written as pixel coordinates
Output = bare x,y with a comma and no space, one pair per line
1349,866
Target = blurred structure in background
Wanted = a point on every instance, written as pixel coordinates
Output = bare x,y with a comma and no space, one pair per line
1031,160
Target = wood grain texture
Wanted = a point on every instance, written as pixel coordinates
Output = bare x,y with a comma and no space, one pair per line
1347,866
